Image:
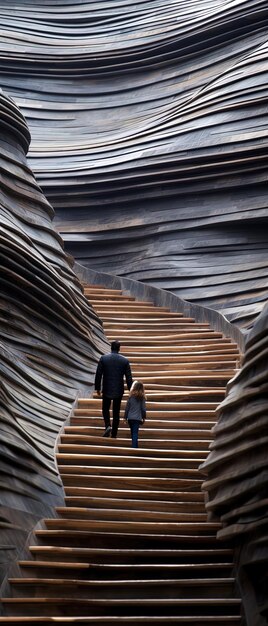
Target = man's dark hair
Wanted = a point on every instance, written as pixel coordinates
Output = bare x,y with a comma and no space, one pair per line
115,346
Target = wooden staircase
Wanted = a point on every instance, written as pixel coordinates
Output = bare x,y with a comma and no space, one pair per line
133,544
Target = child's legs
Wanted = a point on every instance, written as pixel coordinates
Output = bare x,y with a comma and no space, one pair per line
134,427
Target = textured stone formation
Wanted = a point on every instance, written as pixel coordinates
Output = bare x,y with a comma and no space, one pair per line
237,474
50,340
149,137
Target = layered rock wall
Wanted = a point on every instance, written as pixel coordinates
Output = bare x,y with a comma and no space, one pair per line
149,127
50,340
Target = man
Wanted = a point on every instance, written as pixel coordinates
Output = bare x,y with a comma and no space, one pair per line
111,371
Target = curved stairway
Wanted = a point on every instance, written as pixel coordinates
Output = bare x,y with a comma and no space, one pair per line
133,544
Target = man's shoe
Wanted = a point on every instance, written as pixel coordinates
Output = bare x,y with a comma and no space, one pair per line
107,432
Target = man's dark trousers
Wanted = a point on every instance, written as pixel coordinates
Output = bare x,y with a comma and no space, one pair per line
106,403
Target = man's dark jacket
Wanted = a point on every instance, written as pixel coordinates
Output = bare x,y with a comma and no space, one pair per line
112,368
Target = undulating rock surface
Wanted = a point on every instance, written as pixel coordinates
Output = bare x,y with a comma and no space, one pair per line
149,137
237,472
50,340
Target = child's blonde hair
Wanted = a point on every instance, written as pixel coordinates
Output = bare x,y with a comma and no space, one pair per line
137,390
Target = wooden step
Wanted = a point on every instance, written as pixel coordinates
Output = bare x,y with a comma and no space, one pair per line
109,538
100,298
135,505
209,363
132,326
184,557
151,328
89,289
151,403
146,340
131,577
120,451
183,344
116,526
177,378
170,604
106,480
120,300
206,399
123,514
172,412
213,620
193,393
170,422
178,347
125,306
140,588
192,390
136,495
129,311
140,316
166,369
194,348
150,424
147,433
130,461
186,378
188,358
75,436
124,471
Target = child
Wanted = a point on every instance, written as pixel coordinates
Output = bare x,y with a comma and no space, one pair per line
135,411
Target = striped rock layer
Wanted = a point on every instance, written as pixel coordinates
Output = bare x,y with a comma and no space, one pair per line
50,340
149,137
237,474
